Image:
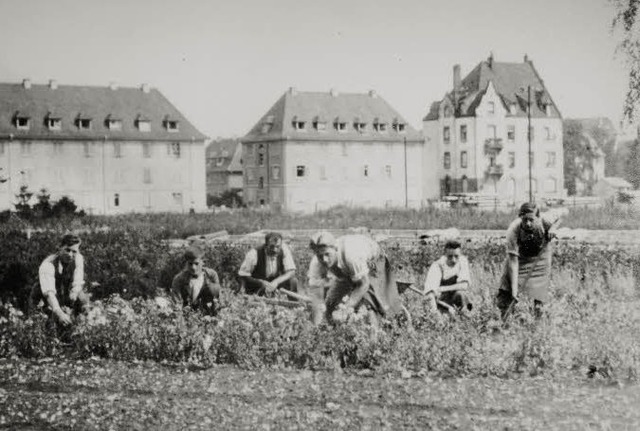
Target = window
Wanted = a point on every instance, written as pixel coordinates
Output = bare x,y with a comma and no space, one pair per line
275,172
319,125
261,159
143,125
547,133
446,134
297,124
463,133
171,125
447,160
379,127
447,111
58,148
146,150
512,159
83,123
22,122
551,159
114,124
341,126
532,159
300,171
25,148
261,183
511,133
146,176
365,170
398,127
175,149
360,127
463,159
491,107
387,170
117,149
491,131
54,123
531,133
116,200
89,149
323,172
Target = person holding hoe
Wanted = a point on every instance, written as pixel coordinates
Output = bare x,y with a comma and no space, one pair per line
527,268
447,282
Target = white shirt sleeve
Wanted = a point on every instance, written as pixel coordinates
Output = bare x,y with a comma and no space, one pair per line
249,263
357,250
287,259
78,274
434,277
464,275
512,238
47,277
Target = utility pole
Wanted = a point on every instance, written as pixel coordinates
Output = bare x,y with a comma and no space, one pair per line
529,155
406,182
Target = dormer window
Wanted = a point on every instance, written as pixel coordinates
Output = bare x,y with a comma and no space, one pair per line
83,123
513,109
379,126
171,125
143,124
399,127
340,126
54,123
359,126
319,124
22,122
114,124
297,124
267,124
447,111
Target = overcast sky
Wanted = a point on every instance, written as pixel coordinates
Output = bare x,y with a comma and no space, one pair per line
224,63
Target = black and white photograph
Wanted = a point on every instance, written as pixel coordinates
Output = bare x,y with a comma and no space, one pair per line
320,215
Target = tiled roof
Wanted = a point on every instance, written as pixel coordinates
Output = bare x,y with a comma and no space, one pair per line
70,102
229,151
332,108
510,81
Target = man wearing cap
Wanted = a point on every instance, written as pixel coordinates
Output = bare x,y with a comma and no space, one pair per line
61,280
450,271
196,285
268,267
352,267
528,265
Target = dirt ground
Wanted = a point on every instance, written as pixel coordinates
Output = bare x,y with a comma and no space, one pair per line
104,395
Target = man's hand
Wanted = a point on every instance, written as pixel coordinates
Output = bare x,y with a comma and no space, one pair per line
268,286
73,295
63,317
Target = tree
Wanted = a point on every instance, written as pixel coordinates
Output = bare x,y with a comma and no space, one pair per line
43,207
64,207
22,207
626,22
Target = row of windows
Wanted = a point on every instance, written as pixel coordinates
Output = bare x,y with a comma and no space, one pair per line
342,126
89,149
53,123
513,109
302,171
492,132
511,159
175,196
90,176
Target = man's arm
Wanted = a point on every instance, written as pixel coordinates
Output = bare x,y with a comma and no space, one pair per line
246,269
360,287
78,278
214,281
432,284
47,279
514,267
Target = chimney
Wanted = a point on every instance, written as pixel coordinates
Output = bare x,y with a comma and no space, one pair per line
373,94
145,88
293,91
26,83
53,84
456,78
333,92
490,59
526,58
113,85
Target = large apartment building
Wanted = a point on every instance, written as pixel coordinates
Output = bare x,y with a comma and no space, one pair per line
315,150
110,149
224,166
477,135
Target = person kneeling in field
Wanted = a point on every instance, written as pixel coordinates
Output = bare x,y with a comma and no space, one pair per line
352,266
196,285
447,281
527,268
61,281
268,267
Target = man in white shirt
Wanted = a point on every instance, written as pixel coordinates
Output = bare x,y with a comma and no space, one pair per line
61,280
196,285
268,267
351,266
447,281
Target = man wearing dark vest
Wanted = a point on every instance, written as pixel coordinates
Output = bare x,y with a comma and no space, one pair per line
196,285
268,267
61,281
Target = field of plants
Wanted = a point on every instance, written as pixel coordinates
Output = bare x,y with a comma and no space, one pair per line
586,343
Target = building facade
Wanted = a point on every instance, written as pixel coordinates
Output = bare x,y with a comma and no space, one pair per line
224,167
313,150
110,149
476,137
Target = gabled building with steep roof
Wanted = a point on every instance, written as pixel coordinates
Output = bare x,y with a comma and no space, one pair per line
111,149
477,135
314,150
224,166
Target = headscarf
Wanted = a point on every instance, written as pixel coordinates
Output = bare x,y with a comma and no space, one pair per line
322,239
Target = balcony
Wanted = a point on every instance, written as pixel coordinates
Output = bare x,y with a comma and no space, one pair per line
495,171
493,145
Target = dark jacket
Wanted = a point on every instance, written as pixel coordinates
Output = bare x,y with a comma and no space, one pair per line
260,271
210,288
